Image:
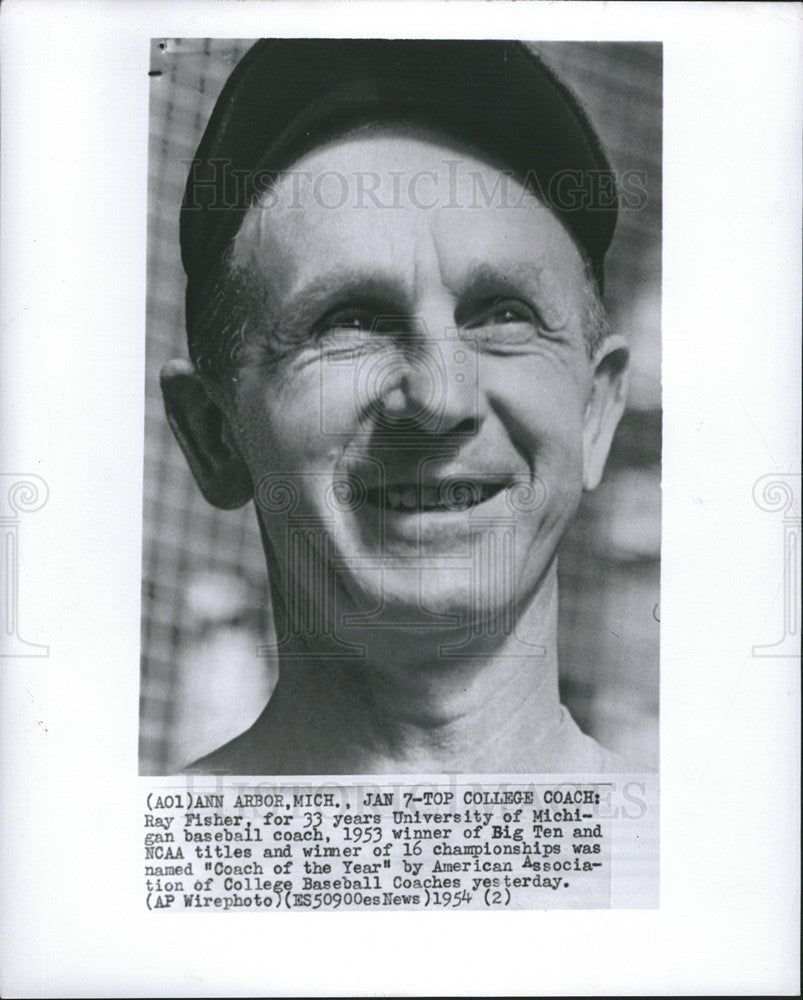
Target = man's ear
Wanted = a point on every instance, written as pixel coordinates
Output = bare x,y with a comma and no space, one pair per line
202,431
606,403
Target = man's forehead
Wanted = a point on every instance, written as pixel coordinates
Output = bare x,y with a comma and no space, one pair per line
386,201
396,165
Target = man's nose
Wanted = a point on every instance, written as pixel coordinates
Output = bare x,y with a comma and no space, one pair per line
432,384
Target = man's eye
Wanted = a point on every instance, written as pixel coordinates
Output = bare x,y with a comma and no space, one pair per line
503,321
500,312
347,321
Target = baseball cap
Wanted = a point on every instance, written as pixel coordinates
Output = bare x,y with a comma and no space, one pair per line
287,96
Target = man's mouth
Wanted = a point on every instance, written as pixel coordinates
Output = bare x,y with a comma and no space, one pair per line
447,495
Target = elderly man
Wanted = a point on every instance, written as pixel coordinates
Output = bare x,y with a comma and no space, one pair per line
394,253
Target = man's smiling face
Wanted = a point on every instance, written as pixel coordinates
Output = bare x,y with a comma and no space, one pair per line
416,371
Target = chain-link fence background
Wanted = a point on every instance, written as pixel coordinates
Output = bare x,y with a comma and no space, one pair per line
205,605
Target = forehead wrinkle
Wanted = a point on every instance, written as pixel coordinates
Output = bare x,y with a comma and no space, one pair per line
256,256
427,260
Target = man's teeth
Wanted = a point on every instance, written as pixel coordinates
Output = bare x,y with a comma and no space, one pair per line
442,497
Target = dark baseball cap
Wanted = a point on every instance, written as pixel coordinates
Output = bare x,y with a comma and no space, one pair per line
287,96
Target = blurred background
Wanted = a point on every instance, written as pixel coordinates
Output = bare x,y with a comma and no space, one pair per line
205,607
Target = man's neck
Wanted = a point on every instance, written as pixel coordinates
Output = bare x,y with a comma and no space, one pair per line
410,708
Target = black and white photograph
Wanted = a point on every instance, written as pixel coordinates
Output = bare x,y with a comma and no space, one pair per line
403,407
400,465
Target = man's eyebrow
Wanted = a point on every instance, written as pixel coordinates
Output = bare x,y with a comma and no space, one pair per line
309,301
513,278
502,273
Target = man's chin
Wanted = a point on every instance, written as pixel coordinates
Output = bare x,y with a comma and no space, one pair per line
427,602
